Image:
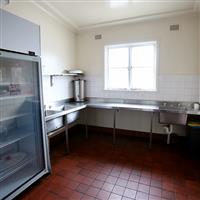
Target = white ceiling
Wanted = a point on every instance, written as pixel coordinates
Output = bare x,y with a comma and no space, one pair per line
83,14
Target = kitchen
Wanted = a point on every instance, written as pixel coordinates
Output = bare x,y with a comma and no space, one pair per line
133,136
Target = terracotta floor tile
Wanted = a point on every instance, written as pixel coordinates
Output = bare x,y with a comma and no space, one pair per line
121,182
51,196
65,193
134,177
108,187
143,188
152,197
193,197
142,196
145,180
92,191
115,173
126,169
84,172
101,177
118,190
115,197
72,184
126,198
87,181
78,178
168,186
136,172
76,196
129,193
82,188
146,174
106,171
155,191
56,189
98,184
132,185
86,197
103,195
111,179
181,197
92,174
156,183
168,195
124,175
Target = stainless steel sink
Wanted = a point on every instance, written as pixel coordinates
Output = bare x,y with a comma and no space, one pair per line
170,114
51,112
58,122
171,117
54,123
68,107
72,117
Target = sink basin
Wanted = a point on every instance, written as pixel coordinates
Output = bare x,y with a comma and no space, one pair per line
54,123
68,107
58,122
51,112
171,117
72,116
173,109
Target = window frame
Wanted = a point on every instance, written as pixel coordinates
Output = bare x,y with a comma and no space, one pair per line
129,46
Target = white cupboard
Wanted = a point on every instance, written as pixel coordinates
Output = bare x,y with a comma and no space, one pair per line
18,34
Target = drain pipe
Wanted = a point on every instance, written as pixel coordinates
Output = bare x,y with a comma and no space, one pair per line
168,129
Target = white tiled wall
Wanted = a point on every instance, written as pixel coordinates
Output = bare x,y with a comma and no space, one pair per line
61,89
170,88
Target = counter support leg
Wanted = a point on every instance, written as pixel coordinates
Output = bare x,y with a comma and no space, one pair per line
114,126
86,124
66,135
49,160
151,130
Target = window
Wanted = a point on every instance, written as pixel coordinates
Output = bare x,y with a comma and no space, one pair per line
131,67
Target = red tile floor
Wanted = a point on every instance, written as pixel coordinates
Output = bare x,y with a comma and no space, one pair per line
95,169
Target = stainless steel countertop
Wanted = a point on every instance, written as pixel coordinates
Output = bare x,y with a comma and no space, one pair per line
146,108
73,107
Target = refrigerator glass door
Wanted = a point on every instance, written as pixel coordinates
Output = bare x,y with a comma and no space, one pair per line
21,122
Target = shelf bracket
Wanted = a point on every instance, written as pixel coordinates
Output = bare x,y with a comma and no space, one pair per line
51,80
67,74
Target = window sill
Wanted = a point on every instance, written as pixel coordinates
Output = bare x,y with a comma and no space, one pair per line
129,90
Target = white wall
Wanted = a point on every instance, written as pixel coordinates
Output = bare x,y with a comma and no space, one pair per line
199,48
57,48
178,70
178,62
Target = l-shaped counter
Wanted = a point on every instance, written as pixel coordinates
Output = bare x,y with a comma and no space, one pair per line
152,107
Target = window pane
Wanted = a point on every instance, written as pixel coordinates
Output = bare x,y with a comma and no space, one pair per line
118,57
143,78
143,56
118,78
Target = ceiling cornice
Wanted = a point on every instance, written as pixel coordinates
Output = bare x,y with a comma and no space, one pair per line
54,13
137,19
